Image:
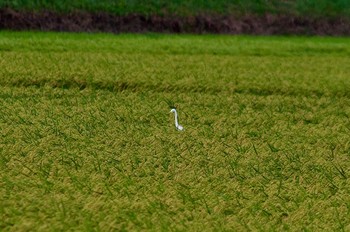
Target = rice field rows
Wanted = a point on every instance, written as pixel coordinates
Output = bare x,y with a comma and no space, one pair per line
87,141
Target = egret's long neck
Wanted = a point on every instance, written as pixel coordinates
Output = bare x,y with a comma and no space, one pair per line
176,122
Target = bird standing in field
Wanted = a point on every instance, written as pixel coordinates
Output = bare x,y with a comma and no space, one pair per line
177,125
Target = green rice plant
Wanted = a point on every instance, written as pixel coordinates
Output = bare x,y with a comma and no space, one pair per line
87,141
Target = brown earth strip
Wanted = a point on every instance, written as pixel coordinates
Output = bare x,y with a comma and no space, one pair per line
102,22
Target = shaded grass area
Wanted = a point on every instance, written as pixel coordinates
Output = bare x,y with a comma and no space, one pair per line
313,8
265,145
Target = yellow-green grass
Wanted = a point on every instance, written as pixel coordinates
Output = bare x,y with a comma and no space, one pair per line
87,141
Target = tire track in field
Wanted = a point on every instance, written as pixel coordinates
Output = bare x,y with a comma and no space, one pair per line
120,86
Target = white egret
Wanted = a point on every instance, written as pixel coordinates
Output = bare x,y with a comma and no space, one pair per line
177,125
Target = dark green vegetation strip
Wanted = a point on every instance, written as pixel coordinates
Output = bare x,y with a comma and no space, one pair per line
87,141
315,8
119,86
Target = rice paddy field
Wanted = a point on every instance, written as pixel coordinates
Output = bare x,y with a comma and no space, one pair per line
87,142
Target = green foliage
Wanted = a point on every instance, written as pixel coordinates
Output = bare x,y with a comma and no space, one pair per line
315,8
87,141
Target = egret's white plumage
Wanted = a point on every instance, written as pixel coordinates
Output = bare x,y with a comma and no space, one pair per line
177,125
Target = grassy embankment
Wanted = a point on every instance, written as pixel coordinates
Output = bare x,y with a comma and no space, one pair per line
87,141
313,8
